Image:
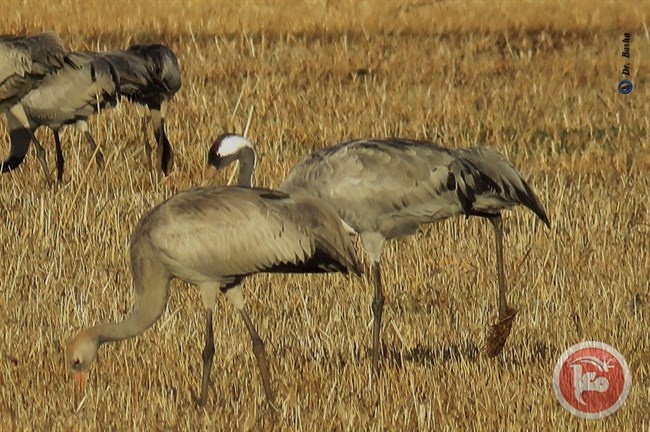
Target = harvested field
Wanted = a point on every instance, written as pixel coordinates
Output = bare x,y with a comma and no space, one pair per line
534,80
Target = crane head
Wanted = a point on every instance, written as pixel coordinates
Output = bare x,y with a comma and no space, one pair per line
225,149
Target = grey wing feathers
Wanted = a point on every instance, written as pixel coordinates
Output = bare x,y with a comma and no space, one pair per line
72,93
389,185
38,54
205,233
47,52
24,61
503,179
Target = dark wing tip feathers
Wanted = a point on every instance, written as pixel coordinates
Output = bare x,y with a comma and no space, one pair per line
273,195
530,200
465,190
485,182
342,259
115,78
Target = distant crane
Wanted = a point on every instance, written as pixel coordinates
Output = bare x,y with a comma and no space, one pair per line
386,188
144,74
70,96
213,238
149,75
24,62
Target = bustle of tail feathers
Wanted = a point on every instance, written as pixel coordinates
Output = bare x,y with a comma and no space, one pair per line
330,234
468,181
11,163
347,257
115,77
499,176
162,64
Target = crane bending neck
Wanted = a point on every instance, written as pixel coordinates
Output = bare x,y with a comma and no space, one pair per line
247,161
151,294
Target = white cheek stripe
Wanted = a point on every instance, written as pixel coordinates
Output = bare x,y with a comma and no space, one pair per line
232,144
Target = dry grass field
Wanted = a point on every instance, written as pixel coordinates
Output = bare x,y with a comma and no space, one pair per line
535,80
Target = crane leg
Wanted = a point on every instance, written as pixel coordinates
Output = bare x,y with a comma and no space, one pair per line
40,153
60,161
377,309
497,223
147,147
260,354
499,332
208,355
164,147
99,157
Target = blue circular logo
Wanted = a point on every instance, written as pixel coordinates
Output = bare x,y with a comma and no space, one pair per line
625,87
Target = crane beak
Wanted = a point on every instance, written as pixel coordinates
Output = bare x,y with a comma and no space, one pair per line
80,379
215,160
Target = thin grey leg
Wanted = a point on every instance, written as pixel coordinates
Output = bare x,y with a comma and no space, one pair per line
208,355
99,156
377,309
260,354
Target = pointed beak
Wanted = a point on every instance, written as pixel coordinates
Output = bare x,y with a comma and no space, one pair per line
214,160
80,379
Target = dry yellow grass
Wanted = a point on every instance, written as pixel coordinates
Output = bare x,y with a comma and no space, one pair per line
535,80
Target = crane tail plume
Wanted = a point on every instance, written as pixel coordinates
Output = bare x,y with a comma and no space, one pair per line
20,139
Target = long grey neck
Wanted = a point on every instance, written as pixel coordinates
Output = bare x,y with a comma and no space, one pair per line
114,332
247,159
152,292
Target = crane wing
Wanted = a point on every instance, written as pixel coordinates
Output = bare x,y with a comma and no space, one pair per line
387,185
205,234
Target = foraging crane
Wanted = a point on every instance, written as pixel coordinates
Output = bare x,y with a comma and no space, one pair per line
144,74
386,188
149,75
24,63
214,237
68,96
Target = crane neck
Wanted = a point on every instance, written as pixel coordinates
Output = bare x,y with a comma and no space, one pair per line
151,294
115,332
247,161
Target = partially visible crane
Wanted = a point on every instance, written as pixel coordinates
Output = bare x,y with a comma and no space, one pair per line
91,81
385,188
214,238
24,62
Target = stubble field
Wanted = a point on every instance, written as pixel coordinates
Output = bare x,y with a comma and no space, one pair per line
536,81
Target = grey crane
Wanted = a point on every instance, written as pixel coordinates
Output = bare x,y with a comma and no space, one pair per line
24,62
214,237
386,188
148,75
70,96
144,74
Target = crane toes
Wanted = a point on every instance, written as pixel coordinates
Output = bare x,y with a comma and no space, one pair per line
199,401
498,333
